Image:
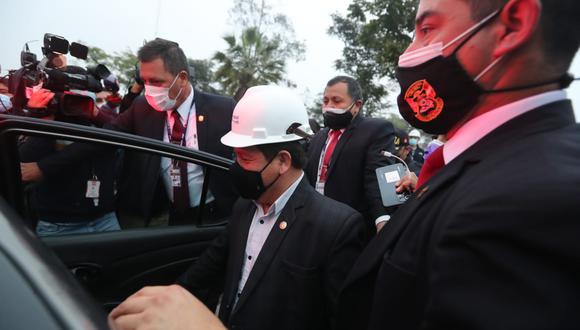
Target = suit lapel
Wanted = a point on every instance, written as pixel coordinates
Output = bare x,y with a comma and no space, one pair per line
201,120
550,117
273,242
387,238
346,135
238,248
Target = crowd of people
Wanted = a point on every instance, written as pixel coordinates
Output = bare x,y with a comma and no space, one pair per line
486,240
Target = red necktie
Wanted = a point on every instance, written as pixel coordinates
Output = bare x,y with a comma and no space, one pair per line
433,164
334,135
180,194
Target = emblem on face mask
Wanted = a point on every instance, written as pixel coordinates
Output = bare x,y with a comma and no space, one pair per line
422,98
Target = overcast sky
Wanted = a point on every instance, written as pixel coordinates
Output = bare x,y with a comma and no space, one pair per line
197,25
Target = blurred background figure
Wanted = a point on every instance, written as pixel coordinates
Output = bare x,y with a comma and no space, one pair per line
417,152
438,140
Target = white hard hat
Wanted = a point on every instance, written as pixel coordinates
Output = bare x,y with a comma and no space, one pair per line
415,133
264,115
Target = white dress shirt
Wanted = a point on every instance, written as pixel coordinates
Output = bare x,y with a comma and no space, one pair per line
480,126
260,229
194,172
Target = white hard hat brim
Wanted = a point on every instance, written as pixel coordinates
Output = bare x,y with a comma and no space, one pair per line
234,140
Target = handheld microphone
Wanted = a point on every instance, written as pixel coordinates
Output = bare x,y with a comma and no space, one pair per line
388,154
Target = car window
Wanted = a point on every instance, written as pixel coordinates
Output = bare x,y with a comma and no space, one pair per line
83,187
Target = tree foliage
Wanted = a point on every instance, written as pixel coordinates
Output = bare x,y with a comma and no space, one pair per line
121,64
202,75
248,62
257,55
375,33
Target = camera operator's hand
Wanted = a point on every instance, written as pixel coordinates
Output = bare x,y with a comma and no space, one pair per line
40,98
30,172
136,88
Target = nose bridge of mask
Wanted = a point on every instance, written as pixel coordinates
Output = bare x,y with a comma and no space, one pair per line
337,110
469,33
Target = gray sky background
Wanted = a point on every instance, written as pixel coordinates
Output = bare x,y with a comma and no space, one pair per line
198,26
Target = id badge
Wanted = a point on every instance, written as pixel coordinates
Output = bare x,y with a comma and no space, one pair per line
175,175
320,187
93,187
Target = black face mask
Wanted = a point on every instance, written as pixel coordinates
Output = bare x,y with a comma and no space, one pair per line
338,121
436,95
249,184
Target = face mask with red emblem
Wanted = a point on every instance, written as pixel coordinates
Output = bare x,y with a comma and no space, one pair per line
436,92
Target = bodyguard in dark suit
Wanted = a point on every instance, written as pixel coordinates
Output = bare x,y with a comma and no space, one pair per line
489,240
345,170
287,249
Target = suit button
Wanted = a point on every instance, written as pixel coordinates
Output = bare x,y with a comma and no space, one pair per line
228,306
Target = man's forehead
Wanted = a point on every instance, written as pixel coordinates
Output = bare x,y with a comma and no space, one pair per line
155,66
246,152
441,7
338,89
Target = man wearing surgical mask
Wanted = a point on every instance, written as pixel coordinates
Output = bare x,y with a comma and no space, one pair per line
489,239
343,157
173,111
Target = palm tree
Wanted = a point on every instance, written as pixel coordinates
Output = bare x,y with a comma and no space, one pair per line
252,60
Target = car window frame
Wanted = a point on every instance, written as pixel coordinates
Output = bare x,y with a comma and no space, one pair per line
11,127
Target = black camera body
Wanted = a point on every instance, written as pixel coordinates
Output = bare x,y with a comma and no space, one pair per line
66,103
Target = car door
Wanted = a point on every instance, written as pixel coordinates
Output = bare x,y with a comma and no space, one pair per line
112,265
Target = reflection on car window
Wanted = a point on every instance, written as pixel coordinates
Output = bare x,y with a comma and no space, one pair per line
107,189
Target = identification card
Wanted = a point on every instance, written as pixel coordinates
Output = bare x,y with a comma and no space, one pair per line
93,187
175,175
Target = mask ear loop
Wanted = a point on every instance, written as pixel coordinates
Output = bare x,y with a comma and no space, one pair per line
173,83
472,31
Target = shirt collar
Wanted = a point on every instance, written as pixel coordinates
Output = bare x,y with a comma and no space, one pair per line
478,127
185,107
280,203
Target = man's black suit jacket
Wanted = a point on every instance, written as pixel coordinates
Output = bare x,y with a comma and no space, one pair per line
295,280
351,173
141,176
489,242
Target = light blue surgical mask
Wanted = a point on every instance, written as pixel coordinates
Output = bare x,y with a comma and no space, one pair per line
5,103
413,141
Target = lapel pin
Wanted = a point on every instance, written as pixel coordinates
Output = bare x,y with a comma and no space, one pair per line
200,118
283,225
422,192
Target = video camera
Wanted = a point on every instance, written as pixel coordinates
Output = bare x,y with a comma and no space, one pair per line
70,84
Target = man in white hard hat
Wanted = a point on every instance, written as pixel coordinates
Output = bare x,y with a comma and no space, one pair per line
287,248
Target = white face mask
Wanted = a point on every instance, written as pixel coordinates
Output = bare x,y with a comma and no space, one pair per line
5,104
337,110
429,52
158,97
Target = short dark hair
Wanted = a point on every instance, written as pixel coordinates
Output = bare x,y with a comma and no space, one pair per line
169,52
559,26
354,89
294,148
